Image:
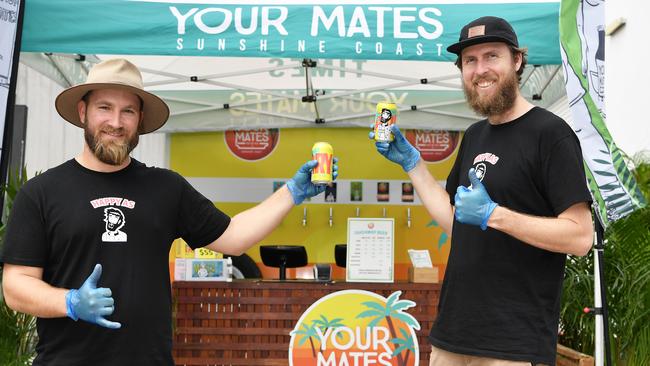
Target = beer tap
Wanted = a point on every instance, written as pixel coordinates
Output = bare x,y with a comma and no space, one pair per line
331,220
408,217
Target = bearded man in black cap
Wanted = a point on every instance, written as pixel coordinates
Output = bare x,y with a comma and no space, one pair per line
511,224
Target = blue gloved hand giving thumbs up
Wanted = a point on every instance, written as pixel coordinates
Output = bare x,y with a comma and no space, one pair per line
473,205
90,303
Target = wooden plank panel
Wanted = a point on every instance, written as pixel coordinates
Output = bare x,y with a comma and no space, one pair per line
248,322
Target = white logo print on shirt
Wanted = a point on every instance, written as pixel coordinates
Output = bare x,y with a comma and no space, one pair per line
114,217
481,167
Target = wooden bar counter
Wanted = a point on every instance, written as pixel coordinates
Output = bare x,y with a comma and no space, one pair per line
247,322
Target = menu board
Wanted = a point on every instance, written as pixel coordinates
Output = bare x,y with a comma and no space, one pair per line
370,251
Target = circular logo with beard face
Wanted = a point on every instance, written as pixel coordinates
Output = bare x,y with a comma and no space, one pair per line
252,145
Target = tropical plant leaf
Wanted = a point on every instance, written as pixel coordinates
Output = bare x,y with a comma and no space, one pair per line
407,319
432,223
375,321
369,313
399,350
403,304
375,305
627,278
18,335
392,298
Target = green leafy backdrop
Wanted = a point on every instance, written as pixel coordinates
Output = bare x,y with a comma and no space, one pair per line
627,275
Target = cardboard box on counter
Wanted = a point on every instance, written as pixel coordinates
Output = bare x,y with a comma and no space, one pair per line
423,274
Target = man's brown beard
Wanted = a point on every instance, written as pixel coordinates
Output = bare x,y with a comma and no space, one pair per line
109,152
497,104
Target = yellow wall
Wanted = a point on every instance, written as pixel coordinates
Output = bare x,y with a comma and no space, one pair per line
206,155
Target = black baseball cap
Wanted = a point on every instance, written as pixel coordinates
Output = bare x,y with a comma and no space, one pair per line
483,30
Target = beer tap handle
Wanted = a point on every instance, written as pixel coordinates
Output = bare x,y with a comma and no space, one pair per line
331,221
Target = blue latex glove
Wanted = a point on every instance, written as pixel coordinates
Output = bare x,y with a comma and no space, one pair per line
399,151
473,205
90,303
301,186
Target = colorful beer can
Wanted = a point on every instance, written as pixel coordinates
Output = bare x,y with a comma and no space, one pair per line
385,116
324,154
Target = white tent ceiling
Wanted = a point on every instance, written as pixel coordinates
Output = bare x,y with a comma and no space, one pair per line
213,94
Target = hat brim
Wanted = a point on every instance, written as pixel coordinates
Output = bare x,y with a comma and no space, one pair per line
458,47
155,110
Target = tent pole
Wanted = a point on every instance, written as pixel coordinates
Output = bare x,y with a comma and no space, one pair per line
602,339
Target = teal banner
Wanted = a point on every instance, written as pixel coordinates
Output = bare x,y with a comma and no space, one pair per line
413,30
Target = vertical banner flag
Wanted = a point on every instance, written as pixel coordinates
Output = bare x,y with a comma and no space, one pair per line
10,23
8,30
582,40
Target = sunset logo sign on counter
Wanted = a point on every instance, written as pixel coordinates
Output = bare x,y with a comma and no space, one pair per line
355,327
434,146
252,145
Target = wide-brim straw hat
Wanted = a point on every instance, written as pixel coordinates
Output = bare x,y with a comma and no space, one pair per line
114,74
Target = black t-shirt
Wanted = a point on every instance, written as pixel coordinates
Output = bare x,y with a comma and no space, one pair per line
501,297
70,218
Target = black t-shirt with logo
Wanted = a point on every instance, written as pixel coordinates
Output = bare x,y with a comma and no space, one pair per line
70,218
501,296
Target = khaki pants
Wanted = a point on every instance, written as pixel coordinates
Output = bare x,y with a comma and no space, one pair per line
441,357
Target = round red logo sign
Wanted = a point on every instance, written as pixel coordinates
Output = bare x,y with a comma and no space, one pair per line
433,145
252,144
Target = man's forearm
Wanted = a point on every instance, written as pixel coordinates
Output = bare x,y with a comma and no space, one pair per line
433,196
249,227
571,232
33,296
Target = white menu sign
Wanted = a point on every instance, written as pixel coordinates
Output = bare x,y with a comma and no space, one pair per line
370,252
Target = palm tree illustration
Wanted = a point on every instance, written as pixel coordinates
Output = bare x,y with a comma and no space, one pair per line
307,332
324,324
405,344
393,308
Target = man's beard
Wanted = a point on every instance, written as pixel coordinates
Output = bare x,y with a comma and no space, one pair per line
499,102
112,152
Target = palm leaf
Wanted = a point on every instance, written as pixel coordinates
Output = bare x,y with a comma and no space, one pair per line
369,313
375,321
408,319
375,305
392,298
399,350
403,304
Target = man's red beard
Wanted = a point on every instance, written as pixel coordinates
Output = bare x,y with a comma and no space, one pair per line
109,151
499,102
